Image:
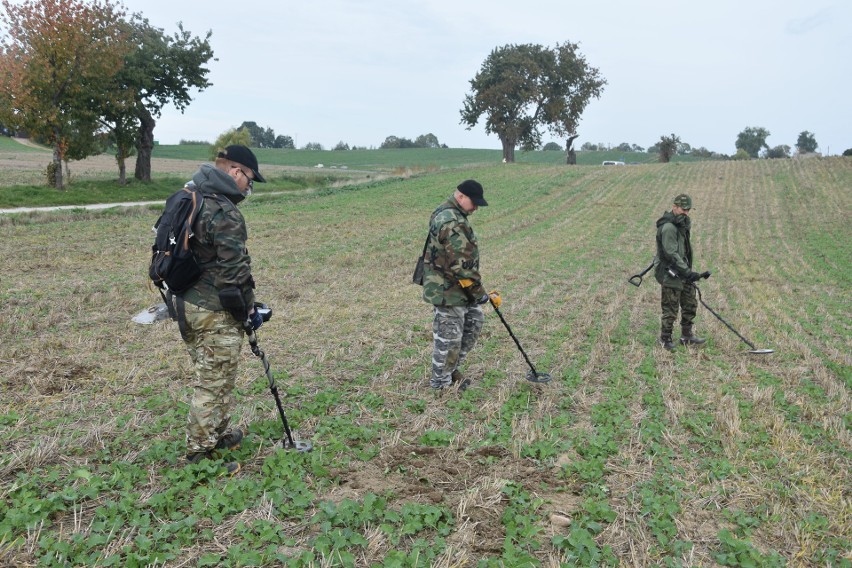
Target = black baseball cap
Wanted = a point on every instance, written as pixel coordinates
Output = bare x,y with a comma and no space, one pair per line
243,156
473,189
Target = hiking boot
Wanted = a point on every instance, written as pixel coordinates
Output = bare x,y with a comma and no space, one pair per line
230,440
231,467
686,337
666,342
460,382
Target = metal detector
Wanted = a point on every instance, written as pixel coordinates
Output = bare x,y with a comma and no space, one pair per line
287,443
638,277
754,350
533,376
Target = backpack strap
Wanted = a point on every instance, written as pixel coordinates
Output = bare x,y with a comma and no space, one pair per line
177,310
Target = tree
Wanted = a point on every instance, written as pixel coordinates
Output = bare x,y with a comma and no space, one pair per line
57,56
668,146
312,146
782,151
228,138
260,137
752,140
341,146
159,70
284,142
806,143
847,152
552,147
624,147
394,142
589,147
427,141
522,89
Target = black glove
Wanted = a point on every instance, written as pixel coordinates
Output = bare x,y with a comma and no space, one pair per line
483,299
256,319
693,277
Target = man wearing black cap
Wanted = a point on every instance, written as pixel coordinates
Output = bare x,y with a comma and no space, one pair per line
452,284
675,274
213,335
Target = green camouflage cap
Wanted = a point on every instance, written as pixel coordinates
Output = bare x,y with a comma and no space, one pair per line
683,201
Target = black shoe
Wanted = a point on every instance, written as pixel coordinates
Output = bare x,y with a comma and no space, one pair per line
230,440
459,380
231,467
666,342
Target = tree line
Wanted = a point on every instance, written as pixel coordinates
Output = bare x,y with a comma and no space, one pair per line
83,77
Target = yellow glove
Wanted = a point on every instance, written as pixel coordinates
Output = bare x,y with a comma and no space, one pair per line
494,296
465,282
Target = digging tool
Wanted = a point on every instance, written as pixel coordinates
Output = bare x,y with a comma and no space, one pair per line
754,350
638,277
532,375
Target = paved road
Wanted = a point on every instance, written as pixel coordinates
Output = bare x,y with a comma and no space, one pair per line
93,206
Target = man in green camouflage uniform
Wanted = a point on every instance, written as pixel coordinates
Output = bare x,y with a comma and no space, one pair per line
212,334
673,270
452,284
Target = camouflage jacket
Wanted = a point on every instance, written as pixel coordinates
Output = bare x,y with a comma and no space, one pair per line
219,241
673,250
452,254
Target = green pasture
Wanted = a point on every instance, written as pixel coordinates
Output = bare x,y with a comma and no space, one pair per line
631,456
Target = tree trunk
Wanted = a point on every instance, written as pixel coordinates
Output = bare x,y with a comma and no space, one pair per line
144,145
508,150
57,167
122,170
570,154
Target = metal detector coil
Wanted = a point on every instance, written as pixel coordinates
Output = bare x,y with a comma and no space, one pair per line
537,377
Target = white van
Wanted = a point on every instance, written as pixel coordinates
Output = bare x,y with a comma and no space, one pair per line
612,163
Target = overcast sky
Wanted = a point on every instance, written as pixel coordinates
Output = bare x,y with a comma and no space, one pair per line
358,71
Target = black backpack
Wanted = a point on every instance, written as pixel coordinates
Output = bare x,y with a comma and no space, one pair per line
173,266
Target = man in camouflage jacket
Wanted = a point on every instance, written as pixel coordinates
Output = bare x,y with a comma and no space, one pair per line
673,270
452,284
212,334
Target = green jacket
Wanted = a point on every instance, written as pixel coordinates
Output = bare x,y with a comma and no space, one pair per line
219,242
673,250
451,255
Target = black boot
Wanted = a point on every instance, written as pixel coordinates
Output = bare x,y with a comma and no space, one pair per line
230,467
666,341
686,337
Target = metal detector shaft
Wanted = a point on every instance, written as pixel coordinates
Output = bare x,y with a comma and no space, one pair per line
746,341
509,329
272,387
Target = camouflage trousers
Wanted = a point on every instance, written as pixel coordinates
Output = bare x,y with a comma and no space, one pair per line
672,300
214,340
455,330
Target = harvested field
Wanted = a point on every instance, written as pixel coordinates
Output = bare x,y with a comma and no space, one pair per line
631,456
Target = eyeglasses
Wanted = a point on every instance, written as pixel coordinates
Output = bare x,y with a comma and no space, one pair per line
250,184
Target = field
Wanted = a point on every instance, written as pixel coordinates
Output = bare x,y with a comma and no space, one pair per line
631,456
